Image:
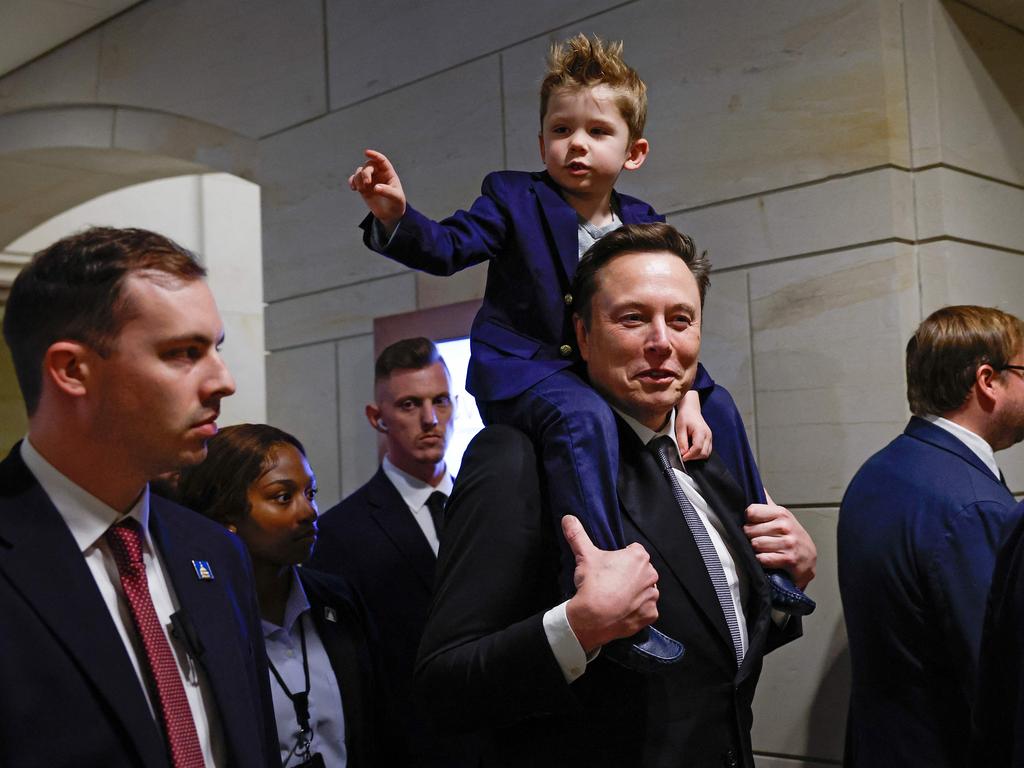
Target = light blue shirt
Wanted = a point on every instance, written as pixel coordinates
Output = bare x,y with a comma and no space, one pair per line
326,713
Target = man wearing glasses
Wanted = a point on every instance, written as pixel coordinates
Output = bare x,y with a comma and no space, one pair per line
919,528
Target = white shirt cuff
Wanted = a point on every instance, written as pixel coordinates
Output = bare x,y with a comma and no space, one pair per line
564,644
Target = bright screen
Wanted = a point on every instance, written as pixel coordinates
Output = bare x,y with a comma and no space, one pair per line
467,418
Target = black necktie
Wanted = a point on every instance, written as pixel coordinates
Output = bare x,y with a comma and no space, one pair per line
668,455
435,503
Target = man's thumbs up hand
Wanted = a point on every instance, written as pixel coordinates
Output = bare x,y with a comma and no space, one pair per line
616,592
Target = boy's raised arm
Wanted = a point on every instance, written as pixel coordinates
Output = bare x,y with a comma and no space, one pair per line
381,189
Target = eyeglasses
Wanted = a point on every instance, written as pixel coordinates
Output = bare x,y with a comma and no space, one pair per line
1012,368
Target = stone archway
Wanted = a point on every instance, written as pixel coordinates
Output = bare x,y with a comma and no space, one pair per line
53,160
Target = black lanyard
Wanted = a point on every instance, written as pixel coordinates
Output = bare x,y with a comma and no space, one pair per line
299,700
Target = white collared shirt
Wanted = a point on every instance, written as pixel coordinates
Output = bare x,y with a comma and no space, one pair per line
88,519
566,646
326,709
979,445
414,493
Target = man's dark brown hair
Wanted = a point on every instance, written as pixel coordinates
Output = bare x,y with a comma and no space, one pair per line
944,354
74,290
405,355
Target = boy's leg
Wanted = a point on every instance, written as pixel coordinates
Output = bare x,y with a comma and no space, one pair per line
577,440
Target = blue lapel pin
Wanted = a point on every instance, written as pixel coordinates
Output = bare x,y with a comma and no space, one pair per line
203,570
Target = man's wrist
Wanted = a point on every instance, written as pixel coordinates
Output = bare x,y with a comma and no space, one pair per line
564,643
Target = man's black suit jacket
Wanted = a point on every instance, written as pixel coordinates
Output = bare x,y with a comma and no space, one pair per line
485,662
373,542
69,695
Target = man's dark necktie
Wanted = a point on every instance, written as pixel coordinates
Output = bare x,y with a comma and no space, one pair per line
436,504
668,455
125,540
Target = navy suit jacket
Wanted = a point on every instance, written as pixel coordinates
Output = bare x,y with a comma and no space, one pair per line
69,695
919,528
372,541
485,662
342,626
528,233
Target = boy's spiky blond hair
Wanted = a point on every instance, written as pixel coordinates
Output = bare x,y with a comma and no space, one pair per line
583,62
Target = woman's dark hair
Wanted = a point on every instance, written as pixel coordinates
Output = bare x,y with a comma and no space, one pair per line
236,458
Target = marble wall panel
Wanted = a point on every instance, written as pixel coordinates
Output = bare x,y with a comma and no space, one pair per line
430,37
65,75
443,137
967,96
359,443
302,399
829,334
157,133
766,101
771,761
253,67
955,204
229,218
1009,11
956,273
725,348
46,128
243,353
800,706
434,291
339,312
842,212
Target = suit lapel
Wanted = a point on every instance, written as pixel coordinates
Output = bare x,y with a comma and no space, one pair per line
647,500
393,516
42,561
212,613
563,225
340,644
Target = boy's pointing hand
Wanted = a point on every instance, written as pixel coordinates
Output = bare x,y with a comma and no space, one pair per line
381,189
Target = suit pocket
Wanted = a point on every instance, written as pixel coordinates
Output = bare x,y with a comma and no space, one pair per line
507,341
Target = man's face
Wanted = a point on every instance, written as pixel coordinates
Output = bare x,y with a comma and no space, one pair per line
644,337
1008,416
584,141
414,411
156,396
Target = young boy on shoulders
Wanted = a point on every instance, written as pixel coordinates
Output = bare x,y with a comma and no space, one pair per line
532,228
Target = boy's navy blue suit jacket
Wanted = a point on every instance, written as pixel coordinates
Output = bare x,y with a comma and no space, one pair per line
68,693
528,233
919,529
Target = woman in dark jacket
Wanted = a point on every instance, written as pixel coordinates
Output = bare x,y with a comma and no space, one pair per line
256,482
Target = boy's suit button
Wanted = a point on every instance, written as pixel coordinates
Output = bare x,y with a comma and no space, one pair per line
567,299
565,350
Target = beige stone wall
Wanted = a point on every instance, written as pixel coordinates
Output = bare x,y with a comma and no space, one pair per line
850,165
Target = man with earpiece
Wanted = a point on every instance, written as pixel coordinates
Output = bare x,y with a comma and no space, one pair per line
384,537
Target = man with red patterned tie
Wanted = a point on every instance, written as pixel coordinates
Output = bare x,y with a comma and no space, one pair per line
131,633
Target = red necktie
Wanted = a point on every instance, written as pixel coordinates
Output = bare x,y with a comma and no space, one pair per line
125,540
